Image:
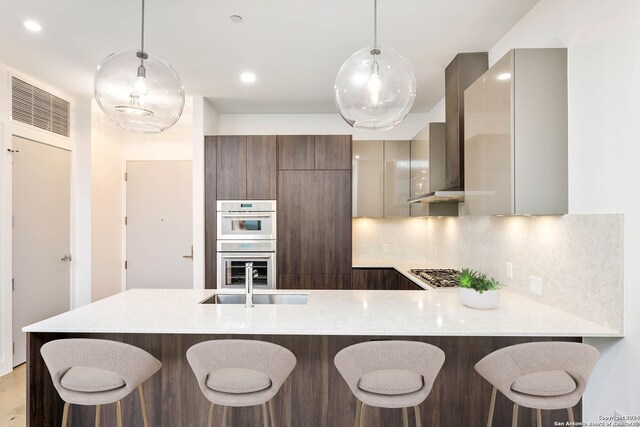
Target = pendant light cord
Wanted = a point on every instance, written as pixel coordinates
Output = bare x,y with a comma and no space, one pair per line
375,23
142,32
142,72
375,51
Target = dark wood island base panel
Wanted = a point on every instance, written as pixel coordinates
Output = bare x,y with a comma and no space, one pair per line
314,395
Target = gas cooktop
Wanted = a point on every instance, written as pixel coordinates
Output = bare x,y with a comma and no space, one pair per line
438,278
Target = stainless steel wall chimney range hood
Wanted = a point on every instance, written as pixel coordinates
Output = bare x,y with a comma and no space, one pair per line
442,196
465,69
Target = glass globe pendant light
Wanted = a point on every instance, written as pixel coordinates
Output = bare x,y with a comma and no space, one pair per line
139,91
375,87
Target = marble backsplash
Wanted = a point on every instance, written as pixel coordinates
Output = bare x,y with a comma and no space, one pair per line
578,257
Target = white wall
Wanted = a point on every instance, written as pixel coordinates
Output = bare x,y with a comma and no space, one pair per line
176,143
107,180
313,124
436,115
210,117
206,121
6,356
603,41
81,200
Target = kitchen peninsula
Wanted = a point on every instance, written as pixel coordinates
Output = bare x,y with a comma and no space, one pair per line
167,322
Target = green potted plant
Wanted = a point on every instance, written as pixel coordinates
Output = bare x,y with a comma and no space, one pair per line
477,290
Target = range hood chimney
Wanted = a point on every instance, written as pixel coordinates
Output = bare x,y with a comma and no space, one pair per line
465,69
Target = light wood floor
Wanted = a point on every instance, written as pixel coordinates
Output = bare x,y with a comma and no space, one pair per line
13,398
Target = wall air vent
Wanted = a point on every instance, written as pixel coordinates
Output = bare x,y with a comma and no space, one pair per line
39,108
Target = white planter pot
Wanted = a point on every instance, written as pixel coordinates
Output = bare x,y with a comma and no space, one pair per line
474,299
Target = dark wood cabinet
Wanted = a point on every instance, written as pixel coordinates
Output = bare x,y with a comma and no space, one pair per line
210,186
373,279
310,177
262,170
314,281
231,167
381,279
246,167
296,152
333,152
405,284
322,152
314,395
314,229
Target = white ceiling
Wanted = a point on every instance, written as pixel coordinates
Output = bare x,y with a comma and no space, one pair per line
294,46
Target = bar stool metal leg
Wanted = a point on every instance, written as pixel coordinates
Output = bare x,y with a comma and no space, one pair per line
210,420
143,404
265,416
514,420
272,414
362,414
492,406
119,413
97,415
65,414
225,414
539,417
356,423
416,409
405,417
570,412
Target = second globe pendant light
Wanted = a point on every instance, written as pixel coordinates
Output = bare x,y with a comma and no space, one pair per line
376,87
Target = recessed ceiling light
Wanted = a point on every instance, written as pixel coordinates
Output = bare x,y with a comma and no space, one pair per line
33,26
236,18
248,77
504,76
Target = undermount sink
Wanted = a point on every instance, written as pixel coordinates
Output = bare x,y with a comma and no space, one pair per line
258,299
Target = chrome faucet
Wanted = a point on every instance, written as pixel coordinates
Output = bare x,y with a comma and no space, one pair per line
248,284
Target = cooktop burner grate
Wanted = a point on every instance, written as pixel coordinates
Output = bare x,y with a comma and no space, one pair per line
438,278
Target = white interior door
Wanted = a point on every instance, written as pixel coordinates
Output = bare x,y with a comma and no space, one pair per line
159,224
41,236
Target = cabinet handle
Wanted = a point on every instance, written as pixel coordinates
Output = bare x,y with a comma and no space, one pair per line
245,216
246,256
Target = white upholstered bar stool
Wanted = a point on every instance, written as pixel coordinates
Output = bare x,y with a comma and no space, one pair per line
98,372
240,373
390,374
539,375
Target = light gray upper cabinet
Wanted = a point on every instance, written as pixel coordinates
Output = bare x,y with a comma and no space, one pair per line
381,174
397,177
420,173
516,138
367,172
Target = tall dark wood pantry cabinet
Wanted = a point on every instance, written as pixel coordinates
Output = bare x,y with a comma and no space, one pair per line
314,212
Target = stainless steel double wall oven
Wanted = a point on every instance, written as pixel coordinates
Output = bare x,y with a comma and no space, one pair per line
246,233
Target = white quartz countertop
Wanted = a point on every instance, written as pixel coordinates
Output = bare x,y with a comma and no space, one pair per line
328,312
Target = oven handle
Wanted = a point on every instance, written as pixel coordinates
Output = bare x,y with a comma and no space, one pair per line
245,216
247,257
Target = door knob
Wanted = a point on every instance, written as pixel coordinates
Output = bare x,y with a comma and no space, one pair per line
67,258
189,256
